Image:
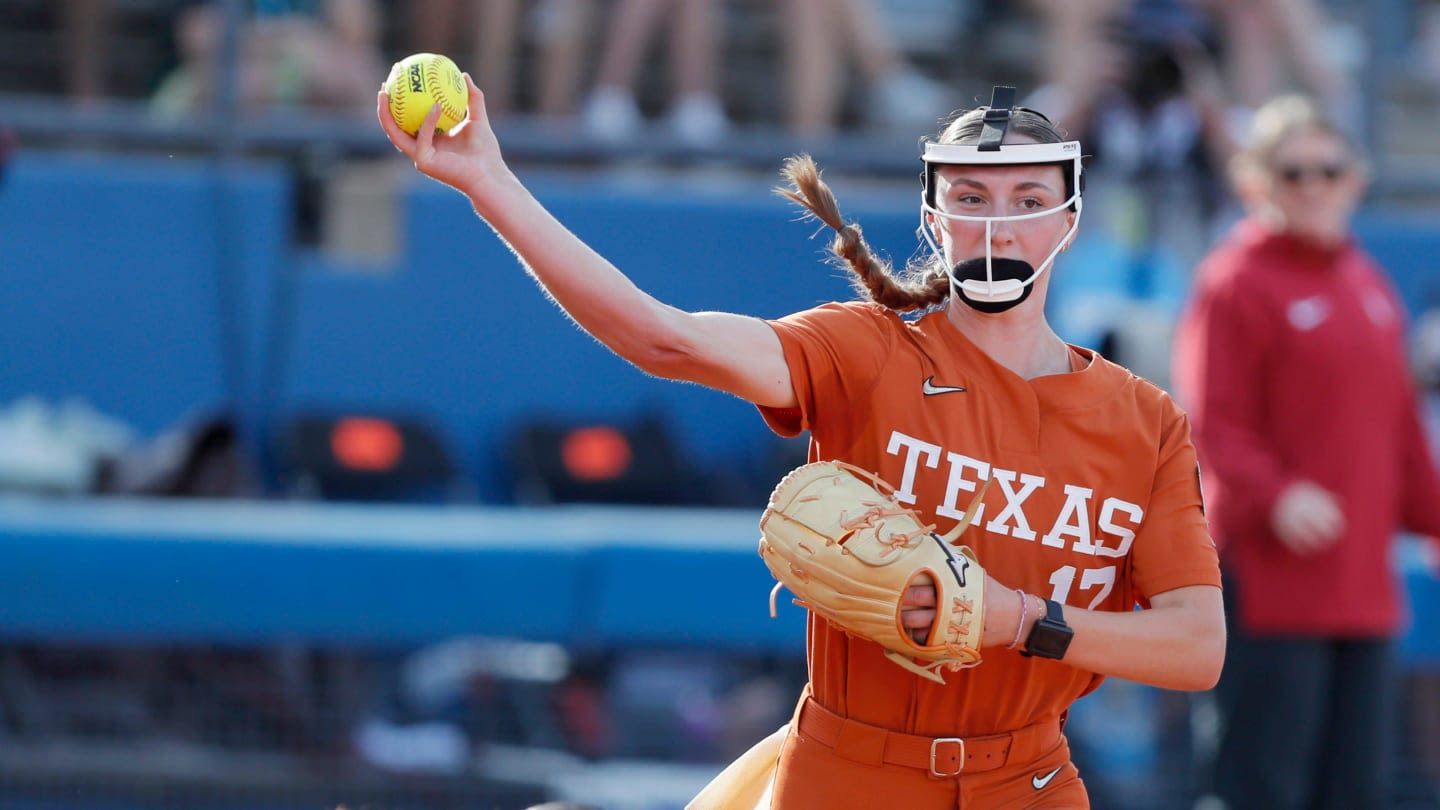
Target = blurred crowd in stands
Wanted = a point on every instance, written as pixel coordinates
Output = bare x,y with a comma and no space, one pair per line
699,67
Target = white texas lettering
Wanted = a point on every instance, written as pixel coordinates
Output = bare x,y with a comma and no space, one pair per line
1013,500
1073,521
1119,520
1109,526
953,506
914,448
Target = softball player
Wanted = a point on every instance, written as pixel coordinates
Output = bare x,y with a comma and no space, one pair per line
1094,505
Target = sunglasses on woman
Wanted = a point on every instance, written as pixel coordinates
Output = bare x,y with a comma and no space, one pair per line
1295,174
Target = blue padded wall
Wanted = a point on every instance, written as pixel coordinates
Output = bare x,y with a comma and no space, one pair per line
114,286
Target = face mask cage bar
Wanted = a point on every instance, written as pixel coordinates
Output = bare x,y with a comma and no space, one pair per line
992,154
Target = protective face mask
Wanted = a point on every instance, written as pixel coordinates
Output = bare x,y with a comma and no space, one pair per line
989,283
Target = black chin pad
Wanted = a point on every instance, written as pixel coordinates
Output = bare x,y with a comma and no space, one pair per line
1000,270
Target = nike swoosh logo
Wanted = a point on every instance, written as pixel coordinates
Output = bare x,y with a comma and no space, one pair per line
1039,782
931,389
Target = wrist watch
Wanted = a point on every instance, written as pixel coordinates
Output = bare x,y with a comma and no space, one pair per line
1050,637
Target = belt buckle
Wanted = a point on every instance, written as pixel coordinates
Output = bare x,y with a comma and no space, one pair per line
961,759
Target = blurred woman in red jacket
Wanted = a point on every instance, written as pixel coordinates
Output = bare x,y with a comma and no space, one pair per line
1291,361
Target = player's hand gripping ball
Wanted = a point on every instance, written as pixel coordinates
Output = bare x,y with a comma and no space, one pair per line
421,80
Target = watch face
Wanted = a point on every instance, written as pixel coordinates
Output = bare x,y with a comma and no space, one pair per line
1049,640
1050,637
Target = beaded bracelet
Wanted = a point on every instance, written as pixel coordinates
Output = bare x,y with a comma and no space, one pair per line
1024,613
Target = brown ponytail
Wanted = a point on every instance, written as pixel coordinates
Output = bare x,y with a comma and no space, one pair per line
874,277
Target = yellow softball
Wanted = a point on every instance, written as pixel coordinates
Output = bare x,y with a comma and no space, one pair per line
420,80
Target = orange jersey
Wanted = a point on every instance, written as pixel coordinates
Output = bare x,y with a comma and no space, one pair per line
1095,500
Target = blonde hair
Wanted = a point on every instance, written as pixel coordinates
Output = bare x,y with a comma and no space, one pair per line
925,282
1276,122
